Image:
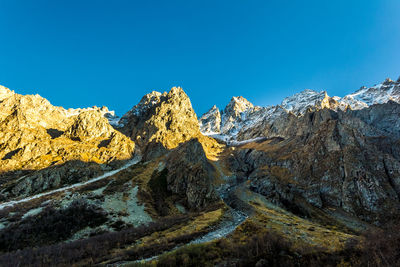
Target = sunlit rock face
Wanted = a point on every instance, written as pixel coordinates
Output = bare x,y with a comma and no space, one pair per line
160,122
35,135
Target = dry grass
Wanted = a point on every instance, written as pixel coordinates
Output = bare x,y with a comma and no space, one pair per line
200,224
298,230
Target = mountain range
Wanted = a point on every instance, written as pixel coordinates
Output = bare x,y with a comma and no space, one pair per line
305,182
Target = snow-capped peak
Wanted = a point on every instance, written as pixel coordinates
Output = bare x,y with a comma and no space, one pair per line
378,94
237,105
240,115
210,122
299,103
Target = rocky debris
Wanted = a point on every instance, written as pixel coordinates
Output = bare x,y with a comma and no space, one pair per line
190,174
161,122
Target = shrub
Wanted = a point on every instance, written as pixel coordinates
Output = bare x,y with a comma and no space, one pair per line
87,251
50,226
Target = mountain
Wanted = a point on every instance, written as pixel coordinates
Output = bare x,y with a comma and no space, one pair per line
36,137
160,122
210,122
244,120
378,94
314,181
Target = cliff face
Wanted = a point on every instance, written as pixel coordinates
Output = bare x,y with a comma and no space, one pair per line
35,135
191,175
210,122
348,160
161,122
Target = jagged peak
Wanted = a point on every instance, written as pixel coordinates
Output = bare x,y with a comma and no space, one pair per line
240,100
212,110
388,81
147,101
377,94
210,122
238,104
89,123
5,92
299,102
152,99
177,91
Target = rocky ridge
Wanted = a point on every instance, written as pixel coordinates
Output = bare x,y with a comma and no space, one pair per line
160,122
35,135
247,120
312,169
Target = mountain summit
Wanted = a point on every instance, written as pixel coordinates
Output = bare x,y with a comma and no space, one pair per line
161,122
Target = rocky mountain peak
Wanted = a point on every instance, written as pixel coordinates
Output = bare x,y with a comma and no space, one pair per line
178,92
237,105
388,81
378,94
34,134
89,124
5,92
35,108
210,122
161,122
307,99
147,101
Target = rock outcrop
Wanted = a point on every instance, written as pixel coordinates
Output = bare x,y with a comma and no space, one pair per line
347,160
241,120
190,174
160,122
35,135
210,122
308,100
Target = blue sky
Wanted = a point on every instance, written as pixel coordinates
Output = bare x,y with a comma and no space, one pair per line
85,53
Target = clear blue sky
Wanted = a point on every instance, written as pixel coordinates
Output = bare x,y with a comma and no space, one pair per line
85,53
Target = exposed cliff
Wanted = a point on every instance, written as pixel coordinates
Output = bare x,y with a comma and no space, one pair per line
35,135
160,122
